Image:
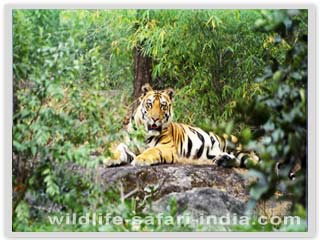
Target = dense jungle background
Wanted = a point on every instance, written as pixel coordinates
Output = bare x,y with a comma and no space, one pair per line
75,73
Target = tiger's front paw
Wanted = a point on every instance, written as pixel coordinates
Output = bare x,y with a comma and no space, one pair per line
144,160
140,161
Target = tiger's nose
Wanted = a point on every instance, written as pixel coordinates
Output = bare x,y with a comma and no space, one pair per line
155,119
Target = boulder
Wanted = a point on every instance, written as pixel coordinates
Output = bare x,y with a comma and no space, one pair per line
197,189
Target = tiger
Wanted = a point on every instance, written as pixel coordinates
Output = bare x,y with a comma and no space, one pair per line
171,142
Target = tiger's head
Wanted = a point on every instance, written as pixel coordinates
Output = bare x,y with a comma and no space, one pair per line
155,109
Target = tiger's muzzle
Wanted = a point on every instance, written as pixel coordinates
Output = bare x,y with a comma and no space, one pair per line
154,127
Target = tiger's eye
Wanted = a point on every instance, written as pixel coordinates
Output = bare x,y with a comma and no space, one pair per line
164,106
148,105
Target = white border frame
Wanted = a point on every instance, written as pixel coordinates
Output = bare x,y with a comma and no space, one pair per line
7,127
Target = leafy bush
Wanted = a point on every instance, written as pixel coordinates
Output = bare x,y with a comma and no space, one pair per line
201,53
60,115
283,106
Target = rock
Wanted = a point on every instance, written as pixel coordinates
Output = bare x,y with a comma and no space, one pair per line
169,178
198,189
203,202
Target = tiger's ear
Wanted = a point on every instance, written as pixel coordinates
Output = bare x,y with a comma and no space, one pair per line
170,92
146,88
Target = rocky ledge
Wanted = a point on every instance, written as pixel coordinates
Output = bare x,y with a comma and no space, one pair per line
198,189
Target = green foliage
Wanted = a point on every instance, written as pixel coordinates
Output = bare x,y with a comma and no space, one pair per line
201,53
86,198
283,129
71,45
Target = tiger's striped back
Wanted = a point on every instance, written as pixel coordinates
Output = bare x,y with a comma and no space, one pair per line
194,143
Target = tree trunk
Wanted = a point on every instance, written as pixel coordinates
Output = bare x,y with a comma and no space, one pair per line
142,64
142,71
